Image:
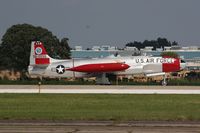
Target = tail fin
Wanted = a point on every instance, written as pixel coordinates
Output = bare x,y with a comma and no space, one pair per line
38,54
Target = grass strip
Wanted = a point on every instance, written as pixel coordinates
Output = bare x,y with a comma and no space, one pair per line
99,107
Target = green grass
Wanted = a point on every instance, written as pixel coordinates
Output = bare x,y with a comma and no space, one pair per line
99,107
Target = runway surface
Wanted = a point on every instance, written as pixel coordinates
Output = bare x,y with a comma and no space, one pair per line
99,127
98,89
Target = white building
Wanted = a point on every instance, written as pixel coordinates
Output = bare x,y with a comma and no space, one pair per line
127,48
148,48
167,48
105,47
78,48
96,48
113,48
159,49
185,48
193,48
175,48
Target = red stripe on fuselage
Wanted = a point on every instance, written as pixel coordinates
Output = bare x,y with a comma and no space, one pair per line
171,67
102,67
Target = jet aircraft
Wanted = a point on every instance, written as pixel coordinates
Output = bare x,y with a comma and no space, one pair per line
41,64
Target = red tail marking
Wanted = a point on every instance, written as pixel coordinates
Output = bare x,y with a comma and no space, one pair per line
39,48
42,61
40,52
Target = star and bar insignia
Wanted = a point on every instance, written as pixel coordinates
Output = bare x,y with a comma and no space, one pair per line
60,69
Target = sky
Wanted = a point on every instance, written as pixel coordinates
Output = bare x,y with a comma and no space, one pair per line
102,22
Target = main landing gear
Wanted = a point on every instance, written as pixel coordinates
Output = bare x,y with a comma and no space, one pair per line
102,79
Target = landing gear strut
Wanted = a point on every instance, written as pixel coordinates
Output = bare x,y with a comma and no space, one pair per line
164,82
102,80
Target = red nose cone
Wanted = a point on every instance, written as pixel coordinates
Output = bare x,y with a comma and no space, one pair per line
102,67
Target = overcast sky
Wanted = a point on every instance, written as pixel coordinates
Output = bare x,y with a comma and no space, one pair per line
115,22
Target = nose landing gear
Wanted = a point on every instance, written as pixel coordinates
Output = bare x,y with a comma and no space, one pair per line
164,81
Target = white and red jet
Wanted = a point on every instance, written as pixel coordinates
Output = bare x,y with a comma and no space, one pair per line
43,65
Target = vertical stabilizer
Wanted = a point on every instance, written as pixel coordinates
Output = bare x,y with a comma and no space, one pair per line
38,54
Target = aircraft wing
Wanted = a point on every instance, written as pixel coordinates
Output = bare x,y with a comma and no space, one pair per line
153,70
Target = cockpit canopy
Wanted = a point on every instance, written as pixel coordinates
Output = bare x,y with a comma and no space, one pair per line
182,61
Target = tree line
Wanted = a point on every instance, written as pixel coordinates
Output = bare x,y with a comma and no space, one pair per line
159,43
16,45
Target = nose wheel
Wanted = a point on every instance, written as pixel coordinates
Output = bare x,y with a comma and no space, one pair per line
164,81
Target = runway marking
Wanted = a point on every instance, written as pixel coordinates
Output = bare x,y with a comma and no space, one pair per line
100,89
